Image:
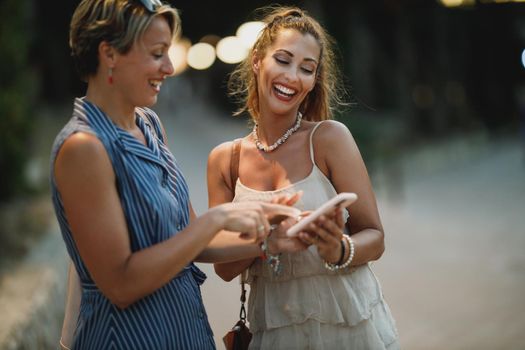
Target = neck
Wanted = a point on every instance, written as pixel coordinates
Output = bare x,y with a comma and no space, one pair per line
106,98
280,140
272,126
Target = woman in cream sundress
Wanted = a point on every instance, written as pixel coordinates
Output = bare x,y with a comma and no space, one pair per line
325,297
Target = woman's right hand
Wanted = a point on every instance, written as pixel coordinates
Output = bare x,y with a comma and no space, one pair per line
252,219
326,233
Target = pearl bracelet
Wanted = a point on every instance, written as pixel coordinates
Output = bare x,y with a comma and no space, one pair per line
334,267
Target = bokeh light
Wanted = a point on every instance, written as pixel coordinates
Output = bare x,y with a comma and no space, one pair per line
211,39
457,3
178,52
451,3
201,56
231,50
248,32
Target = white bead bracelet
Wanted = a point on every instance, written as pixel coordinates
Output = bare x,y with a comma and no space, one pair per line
334,267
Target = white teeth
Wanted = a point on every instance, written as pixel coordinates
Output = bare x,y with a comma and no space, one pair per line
155,83
284,90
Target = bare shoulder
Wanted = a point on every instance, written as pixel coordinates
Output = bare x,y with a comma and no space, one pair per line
82,145
218,173
333,134
219,161
330,129
220,153
82,154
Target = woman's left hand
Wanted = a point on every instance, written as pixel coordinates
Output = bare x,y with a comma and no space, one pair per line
326,233
279,242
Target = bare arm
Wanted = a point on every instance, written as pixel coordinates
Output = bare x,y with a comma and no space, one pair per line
221,191
339,158
86,183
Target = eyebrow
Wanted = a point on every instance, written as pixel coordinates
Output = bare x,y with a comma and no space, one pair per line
292,55
163,43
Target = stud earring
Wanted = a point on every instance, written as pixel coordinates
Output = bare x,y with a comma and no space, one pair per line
110,76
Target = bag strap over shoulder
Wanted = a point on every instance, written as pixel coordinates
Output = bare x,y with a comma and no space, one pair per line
234,175
234,163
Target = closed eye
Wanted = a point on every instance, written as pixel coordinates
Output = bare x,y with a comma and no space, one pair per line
307,70
281,61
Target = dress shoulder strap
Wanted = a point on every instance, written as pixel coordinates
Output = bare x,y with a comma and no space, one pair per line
311,142
234,163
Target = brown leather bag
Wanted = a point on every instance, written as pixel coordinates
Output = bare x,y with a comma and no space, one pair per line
240,336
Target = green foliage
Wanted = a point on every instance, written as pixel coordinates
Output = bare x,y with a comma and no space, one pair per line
17,95
379,135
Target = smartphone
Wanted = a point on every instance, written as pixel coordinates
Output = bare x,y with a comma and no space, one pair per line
343,199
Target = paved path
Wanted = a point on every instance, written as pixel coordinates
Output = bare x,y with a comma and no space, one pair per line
454,272
454,269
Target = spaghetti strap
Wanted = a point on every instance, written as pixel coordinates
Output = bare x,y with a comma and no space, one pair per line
312,144
234,163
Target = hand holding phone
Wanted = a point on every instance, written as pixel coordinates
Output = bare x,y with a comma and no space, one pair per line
342,199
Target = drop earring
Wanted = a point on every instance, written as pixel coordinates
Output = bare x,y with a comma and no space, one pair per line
110,76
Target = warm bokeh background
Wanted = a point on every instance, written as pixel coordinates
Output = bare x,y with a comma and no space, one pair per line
437,92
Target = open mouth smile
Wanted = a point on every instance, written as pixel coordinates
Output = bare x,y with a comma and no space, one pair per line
283,91
155,84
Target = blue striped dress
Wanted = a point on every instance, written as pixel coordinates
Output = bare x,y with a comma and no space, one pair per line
154,196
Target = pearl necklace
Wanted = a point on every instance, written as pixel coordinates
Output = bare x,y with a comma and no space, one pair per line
280,140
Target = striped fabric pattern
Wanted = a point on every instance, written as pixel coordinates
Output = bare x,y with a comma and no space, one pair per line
155,200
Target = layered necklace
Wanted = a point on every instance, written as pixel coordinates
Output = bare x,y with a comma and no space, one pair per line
281,139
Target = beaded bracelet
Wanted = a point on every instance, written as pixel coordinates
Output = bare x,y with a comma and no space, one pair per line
273,260
334,267
343,251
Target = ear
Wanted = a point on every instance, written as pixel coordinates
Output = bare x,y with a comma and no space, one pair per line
107,54
256,62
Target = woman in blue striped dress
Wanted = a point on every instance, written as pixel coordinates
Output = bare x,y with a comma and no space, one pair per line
122,202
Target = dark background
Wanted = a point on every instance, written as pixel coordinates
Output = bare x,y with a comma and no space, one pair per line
415,71
437,108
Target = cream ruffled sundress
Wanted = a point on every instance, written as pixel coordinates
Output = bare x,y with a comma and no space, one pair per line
307,306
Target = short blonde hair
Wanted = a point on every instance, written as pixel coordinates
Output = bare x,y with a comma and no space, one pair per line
119,22
328,92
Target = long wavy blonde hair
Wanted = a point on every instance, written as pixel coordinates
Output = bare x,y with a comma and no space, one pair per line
328,93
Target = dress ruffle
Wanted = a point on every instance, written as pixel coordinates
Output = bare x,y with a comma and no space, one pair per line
319,336
306,301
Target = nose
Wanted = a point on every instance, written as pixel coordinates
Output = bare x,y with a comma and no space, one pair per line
167,66
291,74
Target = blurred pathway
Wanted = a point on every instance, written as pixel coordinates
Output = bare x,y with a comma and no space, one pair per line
454,269
454,272
454,215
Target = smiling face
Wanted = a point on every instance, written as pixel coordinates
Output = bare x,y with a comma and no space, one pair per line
138,74
287,72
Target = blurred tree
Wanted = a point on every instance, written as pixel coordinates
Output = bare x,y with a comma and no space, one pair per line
17,95
420,70
58,82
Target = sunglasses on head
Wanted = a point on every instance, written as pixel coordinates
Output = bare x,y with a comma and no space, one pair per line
151,5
